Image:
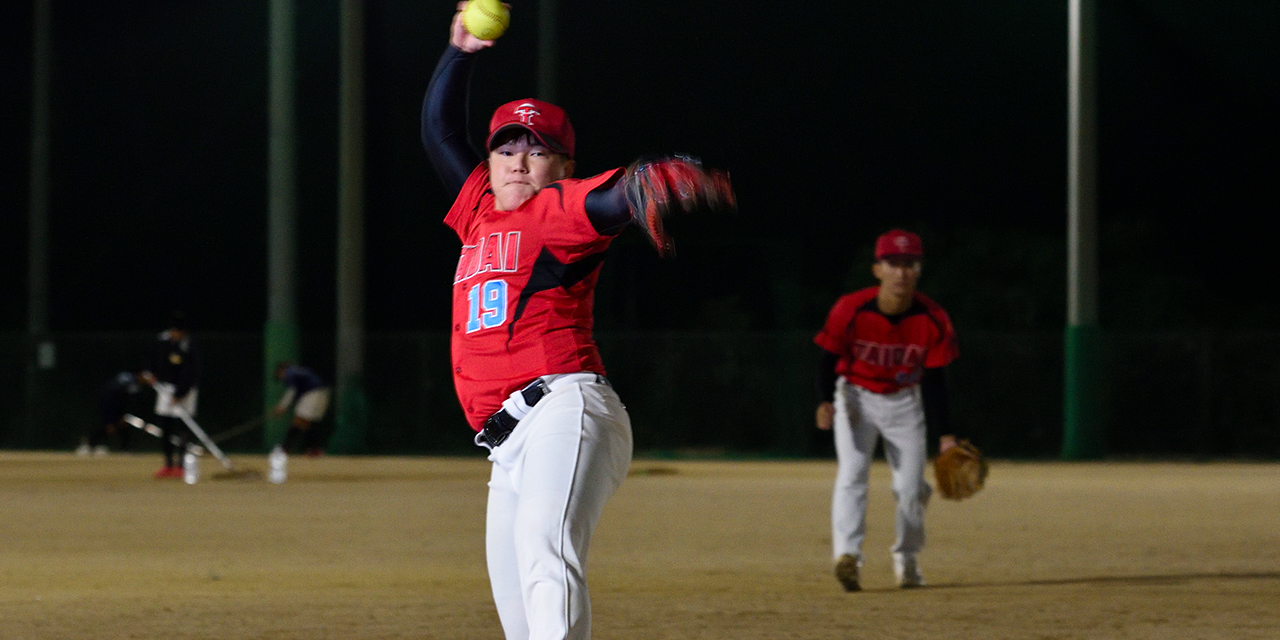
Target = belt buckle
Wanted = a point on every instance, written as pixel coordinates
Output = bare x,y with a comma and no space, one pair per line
495,440
499,427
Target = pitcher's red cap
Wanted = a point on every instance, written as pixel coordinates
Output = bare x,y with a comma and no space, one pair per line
547,122
899,243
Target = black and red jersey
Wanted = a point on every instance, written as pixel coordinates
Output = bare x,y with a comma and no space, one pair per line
887,353
524,289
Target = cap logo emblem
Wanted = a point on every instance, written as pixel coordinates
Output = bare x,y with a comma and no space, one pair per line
902,242
527,111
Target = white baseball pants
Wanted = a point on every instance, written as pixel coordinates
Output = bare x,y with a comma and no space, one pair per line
312,405
165,406
550,481
862,417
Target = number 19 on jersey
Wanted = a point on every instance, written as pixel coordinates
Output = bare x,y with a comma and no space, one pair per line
488,305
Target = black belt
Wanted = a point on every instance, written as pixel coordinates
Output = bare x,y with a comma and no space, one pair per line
498,427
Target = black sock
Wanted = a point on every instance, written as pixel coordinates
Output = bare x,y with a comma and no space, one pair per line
291,437
311,439
169,427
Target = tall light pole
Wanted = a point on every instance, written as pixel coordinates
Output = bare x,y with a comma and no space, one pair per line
280,334
350,429
41,354
1082,428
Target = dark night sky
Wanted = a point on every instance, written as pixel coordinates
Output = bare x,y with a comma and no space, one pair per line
836,124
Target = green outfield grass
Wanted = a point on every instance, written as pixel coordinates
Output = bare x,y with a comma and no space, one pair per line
373,547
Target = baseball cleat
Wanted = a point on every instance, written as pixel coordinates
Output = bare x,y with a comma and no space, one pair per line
847,572
907,571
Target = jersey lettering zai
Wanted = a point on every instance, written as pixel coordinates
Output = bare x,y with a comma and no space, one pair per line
886,354
524,289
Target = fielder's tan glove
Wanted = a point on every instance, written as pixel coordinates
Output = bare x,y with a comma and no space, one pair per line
960,471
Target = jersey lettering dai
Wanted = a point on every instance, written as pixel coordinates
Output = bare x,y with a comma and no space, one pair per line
524,289
886,354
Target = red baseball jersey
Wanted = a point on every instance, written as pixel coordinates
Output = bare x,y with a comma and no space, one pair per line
885,354
524,290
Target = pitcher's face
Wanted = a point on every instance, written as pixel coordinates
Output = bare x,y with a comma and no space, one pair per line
521,167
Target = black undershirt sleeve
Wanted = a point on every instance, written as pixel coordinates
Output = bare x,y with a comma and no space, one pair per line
607,208
825,379
937,403
444,120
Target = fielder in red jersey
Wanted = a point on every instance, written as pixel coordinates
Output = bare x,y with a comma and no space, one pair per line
525,365
884,349
887,353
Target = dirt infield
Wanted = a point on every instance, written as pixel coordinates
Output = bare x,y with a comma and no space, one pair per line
364,548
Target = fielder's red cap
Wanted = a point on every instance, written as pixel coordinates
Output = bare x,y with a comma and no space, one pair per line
547,122
899,243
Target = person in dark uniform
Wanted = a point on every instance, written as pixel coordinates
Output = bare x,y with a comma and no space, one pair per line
309,396
113,403
174,374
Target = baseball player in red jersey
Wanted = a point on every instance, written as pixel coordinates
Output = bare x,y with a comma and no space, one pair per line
525,365
880,375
